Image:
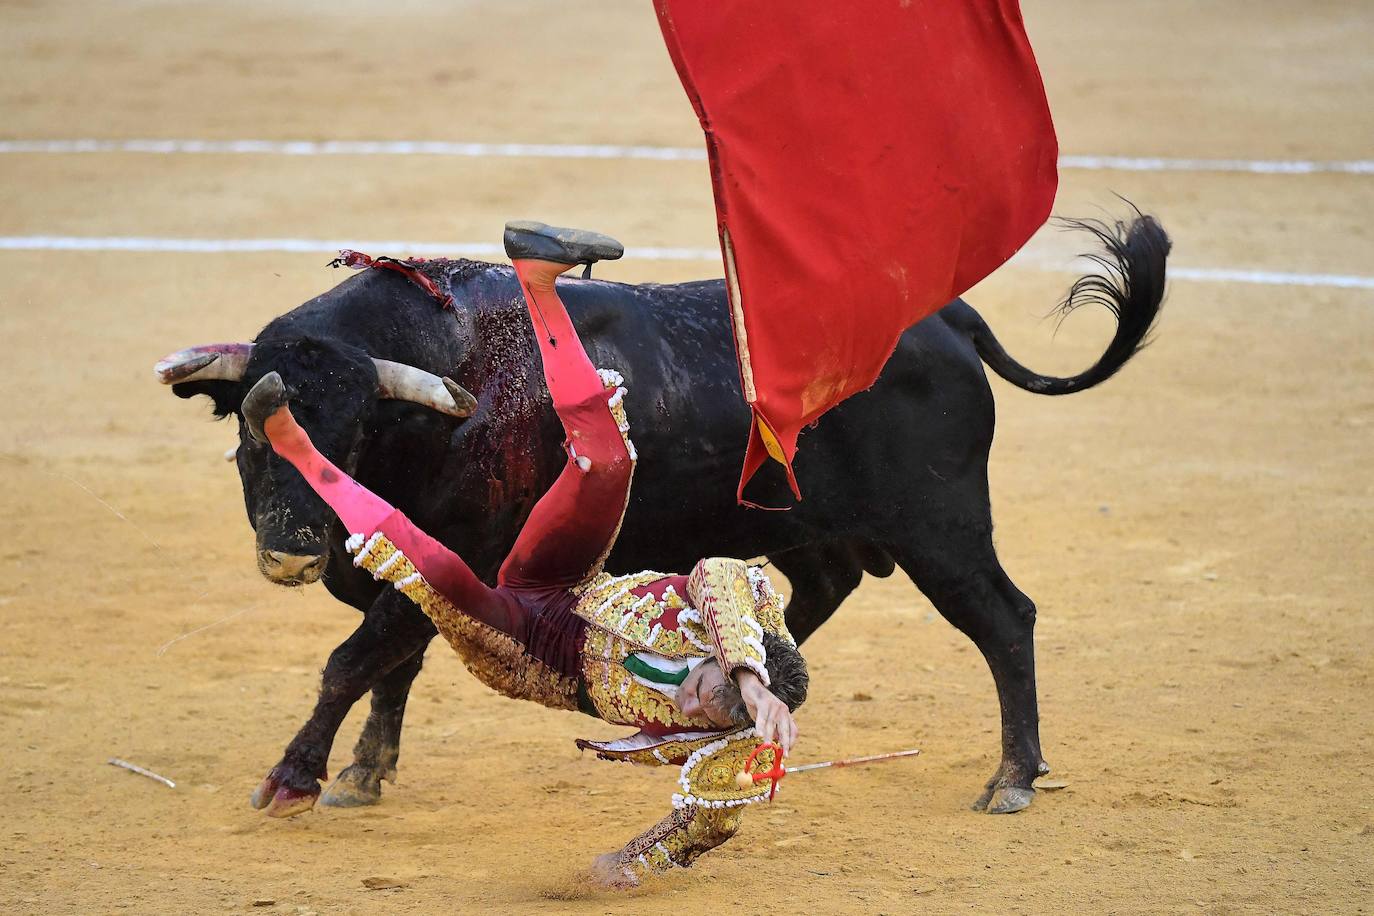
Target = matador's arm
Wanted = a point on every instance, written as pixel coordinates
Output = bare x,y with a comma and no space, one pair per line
572,527
720,590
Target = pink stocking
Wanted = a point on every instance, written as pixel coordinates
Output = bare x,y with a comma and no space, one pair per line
361,510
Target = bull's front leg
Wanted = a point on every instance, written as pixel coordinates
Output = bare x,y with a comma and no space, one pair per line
379,746
393,631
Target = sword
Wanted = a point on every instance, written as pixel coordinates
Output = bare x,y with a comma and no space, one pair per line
748,776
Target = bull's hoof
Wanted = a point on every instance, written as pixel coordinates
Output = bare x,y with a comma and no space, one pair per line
355,787
277,800
1002,795
1010,799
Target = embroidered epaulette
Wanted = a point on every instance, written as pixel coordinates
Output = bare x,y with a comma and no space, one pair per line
709,776
769,606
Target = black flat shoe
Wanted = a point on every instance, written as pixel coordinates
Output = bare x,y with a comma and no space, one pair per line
262,400
528,240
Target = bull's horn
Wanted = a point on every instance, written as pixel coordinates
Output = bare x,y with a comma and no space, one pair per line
198,364
400,382
461,396
396,381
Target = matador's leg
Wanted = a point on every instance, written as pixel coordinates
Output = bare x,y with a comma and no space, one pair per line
573,525
269,419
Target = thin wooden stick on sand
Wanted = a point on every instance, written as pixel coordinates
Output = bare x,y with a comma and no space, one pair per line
135,768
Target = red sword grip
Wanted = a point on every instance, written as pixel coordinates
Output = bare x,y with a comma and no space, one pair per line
775,774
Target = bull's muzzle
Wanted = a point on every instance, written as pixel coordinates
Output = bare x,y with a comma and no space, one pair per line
290,569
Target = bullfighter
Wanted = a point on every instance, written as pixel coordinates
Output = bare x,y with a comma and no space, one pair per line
702,665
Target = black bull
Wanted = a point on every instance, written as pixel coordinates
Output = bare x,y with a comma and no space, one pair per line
895,476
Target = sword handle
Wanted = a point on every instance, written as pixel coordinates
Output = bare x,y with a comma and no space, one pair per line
748,777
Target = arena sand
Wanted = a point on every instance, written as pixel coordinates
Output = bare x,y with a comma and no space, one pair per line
1195,532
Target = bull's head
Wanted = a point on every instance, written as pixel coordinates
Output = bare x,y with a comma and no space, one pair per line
335,393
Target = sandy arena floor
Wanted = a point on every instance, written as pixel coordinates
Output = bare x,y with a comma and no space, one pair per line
1195,532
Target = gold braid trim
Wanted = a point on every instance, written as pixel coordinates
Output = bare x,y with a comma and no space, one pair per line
609,603
494,658
708,777
769,606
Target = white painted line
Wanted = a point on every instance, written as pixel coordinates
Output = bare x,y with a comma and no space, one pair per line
1259,166
356,148
616,151
489,250
217,246
1270,277
1081,265
384,246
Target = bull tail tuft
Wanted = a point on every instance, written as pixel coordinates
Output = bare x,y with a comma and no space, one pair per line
1130,286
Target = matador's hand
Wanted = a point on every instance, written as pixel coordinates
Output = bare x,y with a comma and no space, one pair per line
771,715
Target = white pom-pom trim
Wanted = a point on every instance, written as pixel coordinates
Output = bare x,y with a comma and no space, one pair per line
367,548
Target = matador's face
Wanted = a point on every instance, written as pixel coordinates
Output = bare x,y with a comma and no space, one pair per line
708,693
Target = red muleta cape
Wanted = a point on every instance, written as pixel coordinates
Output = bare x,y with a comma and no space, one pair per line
870,161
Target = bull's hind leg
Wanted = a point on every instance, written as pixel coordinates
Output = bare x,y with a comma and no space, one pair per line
379,746
956,567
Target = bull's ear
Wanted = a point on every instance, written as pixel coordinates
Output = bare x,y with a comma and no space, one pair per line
225,395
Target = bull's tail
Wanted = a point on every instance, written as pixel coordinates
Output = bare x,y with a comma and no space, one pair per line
1131,287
